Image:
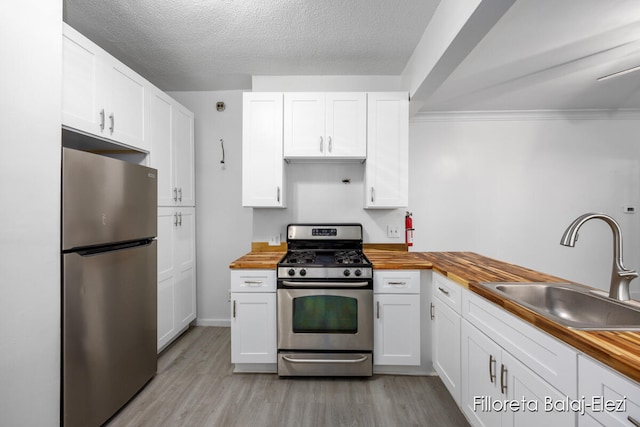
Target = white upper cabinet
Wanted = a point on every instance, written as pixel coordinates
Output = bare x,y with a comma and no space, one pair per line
81,98
162,150
325,125
100,95
387,166
126,104
262,163
184,155
172,150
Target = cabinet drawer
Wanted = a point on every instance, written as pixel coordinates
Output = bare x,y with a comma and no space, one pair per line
396,282
613,398
253,280
447,291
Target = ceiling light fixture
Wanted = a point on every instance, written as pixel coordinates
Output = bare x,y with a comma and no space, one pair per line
618,73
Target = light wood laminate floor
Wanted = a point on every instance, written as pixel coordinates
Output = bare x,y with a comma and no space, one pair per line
195,386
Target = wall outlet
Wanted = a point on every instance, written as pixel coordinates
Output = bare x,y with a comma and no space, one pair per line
393,231
274,240
229,296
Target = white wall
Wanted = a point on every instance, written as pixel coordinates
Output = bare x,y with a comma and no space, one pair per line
507,186
316,193
502,185
326,83
31,51
224,227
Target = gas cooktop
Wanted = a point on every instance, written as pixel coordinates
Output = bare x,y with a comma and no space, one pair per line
325,251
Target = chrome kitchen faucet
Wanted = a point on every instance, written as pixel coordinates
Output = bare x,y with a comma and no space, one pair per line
620,276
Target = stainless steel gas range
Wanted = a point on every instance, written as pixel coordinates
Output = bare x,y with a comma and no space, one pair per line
325,302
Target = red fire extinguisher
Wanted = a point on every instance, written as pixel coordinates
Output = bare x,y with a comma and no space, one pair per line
408,226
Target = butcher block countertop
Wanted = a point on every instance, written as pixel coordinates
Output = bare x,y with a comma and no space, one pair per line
618,350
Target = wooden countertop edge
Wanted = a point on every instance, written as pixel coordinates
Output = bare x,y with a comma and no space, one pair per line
617,350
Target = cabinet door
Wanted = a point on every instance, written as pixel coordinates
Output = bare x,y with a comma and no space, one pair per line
396,329
253,327
304,125
262,162
126,104
446,347
523,385
166,275
184,155
387,166
185,264
480,377
346,125
599,384
82,106
160,133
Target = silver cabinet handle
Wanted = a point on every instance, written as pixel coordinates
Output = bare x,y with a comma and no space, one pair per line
397,283
372,195
180,219
278,194
253,283
377,309
503,380
492,374
289,283
444,291
175,194
102,120
330,144
321,145
431,314
234,309
294,360
180,194
633,421
112,118
175,219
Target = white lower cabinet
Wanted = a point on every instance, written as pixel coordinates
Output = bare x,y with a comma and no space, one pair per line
612,399
500,370
498,390
176,272
445,317
512,371
253,317
396,326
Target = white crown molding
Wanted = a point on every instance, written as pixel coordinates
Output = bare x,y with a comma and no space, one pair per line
525,115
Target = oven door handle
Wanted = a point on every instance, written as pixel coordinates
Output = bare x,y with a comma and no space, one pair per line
293,360
324,284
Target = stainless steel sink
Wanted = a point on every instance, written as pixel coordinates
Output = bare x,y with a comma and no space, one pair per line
571,305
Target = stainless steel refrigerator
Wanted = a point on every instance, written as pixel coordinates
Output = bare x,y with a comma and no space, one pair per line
109,284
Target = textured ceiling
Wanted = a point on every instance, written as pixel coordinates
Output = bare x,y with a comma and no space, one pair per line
542,54
209,44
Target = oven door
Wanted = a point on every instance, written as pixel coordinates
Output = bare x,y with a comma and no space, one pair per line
325,319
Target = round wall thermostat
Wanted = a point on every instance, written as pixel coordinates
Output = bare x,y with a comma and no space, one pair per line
220,106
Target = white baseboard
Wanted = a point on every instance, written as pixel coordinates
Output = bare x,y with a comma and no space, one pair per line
223,323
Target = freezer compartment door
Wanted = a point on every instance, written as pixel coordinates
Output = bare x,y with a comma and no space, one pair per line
109,331
106,200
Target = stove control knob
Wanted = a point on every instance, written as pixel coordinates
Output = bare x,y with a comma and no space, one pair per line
303,272
347,272
291,272
358,272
